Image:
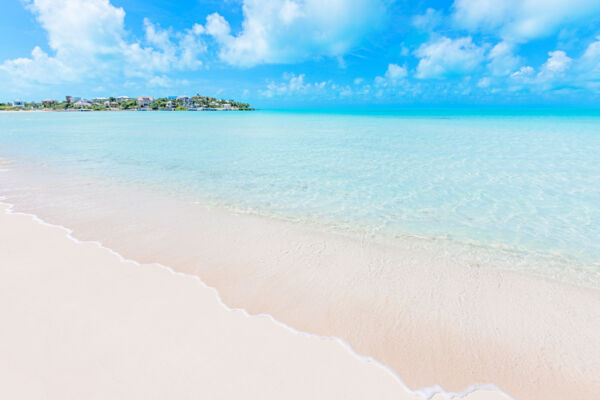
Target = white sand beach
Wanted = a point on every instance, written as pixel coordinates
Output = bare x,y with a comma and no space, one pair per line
78,322
431,316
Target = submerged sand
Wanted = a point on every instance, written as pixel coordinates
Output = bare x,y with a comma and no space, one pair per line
78,322
431,314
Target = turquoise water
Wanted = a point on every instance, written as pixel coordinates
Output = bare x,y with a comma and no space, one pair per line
528,181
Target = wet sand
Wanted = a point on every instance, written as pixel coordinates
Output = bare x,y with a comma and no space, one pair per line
81,322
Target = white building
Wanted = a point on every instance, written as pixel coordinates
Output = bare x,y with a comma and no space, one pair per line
18,103
82,104
185,101
99,99
143,102
227,106
123,98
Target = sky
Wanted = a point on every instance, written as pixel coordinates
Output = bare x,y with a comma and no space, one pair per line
306,53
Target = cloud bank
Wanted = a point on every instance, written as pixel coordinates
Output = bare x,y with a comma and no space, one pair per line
89,41
522,20
285,31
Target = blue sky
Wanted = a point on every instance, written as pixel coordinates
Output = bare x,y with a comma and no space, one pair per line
287,53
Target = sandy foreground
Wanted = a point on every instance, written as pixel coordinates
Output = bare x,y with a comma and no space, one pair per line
433,317
78,322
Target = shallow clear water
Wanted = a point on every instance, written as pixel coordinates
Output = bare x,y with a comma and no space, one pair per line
527,182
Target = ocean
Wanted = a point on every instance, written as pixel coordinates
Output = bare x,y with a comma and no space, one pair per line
523,185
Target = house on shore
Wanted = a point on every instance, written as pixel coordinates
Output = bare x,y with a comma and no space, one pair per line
123,98
72,99
82,104
49,101
18,103
185,101
144,102
170,106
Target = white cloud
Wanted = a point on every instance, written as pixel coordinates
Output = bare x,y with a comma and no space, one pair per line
292,84
79,32
446,57
40,68
560,69
589,64
156,36
395,72
484,82
556,66
393,75
218,27
284,31
553,72
522,20
93,26
88,40
502,60
165,81
346,91
167,51
428,21
524,74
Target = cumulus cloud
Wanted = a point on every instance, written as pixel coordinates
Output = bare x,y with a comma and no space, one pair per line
444,57
589,64
553,72
284,31
428,21
39,68
95,29
524,74
556,66
93,26
292,84
522,20
165,51
502,59
394,75
88,39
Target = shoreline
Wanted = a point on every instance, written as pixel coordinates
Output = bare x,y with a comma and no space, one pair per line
110,110
398,388
438,316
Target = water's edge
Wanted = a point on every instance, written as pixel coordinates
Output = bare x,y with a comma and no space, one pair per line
426,393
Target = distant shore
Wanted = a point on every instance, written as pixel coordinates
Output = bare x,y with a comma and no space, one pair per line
117,110
126,103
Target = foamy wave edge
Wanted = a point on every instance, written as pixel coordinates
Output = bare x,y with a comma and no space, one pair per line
426,393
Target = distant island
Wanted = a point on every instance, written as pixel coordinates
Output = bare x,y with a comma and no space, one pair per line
126,103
